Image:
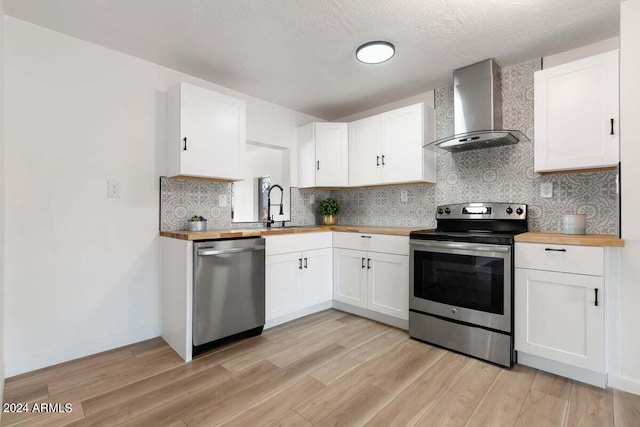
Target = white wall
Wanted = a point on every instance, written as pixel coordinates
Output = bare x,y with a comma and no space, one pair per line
262,161
427,97
628,377
2,204
581,52
82,270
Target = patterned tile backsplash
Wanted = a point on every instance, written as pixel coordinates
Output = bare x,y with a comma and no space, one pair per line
503,174
181,199
506,174
383,206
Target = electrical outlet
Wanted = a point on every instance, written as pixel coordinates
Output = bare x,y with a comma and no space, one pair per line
404,196
312,199
113,189
546,190
222,201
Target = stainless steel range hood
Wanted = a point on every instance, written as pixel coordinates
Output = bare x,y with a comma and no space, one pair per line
477,102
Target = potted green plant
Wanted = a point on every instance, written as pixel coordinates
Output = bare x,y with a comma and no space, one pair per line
197,223
329,208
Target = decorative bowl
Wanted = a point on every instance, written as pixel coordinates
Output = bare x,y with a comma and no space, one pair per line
197,225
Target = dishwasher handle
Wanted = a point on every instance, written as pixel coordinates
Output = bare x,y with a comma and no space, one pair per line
210,252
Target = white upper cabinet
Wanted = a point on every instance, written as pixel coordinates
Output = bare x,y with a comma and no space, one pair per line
402,141
323,155
365,142
387,148
207,134
577,114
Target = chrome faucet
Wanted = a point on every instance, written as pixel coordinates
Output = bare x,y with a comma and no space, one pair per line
270,217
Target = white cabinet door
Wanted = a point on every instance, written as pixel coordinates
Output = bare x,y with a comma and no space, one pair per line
556,317
283,284
388,284
350,277
332,154
365,141
306,156
402,140
210,138
323,155
316,277
576,114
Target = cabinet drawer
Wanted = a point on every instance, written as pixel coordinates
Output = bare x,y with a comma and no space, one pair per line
297,242
372,242
563,258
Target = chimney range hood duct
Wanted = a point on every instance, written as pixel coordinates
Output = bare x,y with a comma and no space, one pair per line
477,101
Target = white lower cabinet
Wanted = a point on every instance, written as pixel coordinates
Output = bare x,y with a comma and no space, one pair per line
388,284
283,285
299,278
350,277
559,313
316,277
374,281
557,317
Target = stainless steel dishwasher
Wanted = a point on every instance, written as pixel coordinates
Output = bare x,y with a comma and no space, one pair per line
228,291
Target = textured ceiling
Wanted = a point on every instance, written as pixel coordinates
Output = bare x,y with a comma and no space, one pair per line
300,53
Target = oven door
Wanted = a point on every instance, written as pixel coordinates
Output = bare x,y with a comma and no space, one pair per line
467,282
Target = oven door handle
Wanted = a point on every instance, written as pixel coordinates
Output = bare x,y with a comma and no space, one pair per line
464,246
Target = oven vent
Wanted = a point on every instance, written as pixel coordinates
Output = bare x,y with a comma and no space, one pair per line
477,101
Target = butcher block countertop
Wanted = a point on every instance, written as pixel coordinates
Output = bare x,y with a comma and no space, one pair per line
569,239
253,232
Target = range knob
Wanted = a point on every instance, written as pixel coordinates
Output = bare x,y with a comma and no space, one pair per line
447,211
440,211
509,210
519,211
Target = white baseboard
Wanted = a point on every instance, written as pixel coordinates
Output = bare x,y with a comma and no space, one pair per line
583,375
53,356
296,315
378,317
630,385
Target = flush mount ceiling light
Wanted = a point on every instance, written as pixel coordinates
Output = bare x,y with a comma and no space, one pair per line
375,52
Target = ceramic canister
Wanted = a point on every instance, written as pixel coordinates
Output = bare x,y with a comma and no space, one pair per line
574,224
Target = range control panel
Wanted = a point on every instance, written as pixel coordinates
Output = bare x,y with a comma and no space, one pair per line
482,211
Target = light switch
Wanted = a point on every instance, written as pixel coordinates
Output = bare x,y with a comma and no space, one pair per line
312,199
223,201
113,189
404,196
546,190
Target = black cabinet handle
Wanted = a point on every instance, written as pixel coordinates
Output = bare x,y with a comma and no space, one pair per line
185,143
300,263
377,160
305,263
555,250
362,262
365,237
611,126
368,263
383,160
318,165
596,302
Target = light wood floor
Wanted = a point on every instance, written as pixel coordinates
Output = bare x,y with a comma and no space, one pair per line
327,369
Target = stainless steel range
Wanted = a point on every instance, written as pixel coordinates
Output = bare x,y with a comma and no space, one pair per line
461,277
